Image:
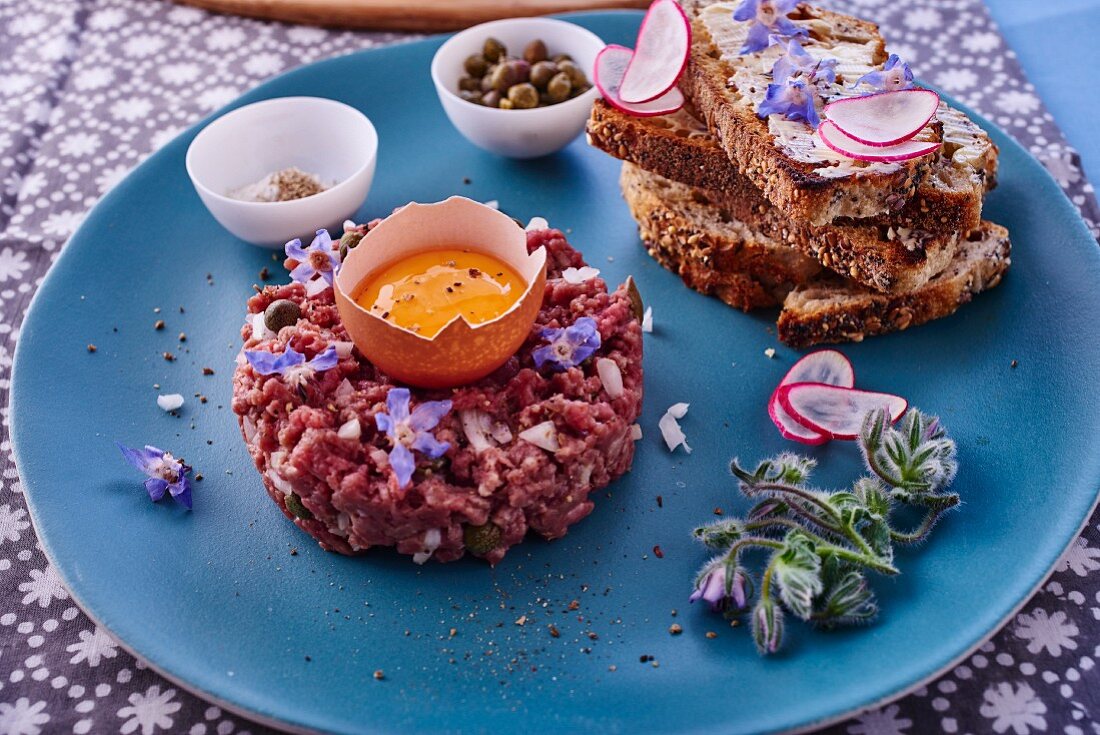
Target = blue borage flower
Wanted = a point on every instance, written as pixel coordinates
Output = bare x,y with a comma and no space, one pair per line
895,74
568,347
796,62
318,259
409,431
291,364
165,473
721,594
769,20
794,99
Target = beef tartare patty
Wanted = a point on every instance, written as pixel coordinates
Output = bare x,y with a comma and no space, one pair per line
326,465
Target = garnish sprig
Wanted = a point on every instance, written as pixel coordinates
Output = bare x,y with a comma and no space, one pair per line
821,544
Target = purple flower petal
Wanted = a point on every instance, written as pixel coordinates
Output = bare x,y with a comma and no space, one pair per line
427,415
403,464
757,39
429,446
397,404
303,272
322,242
542,355
325,360
155,487
746,10
269,363
181,490
384,423
293,249
141,459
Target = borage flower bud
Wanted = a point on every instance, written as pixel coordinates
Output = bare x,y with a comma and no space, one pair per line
767,626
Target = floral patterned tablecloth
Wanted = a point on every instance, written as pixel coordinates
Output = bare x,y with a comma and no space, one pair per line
88,88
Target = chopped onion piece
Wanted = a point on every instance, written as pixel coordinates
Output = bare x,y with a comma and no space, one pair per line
647,319
280,482
316,286
579,275
432,539
343,348
611,376
635,432
544,436
351,430
475,424
670,427
170,402
248,426
259,328
537,223
492,204
501,432
348,225
344,390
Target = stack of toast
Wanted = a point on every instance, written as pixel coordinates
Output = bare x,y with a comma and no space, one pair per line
756,212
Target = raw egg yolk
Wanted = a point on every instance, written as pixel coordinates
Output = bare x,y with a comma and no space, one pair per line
424,292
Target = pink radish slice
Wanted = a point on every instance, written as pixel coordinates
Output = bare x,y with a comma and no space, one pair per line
611,64
886,119
660,54
834,138
789,428
834,411
824,366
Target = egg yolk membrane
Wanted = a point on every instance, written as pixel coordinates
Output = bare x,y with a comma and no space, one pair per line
424,292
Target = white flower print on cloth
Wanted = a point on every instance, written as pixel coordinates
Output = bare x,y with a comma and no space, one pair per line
1080,558
149,711
93,646
1053,633
12,523
1017,102
22,717
885,721
1014,708
43,587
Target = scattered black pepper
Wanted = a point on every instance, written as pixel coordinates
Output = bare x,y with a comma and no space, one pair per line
554,632
711,634
265,273
379,675
660,502
159,324
717,511
207,371
169,356
1014,363
675,629
308,659
198,477
183,337
92,348
658,553
466,180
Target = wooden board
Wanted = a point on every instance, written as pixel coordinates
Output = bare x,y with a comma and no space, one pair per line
405,15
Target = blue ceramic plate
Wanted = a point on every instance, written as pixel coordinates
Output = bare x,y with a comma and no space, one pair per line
215,600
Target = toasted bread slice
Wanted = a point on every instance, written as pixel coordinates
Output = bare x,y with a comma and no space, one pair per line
710,250
881,257
718,255
783,158
679,147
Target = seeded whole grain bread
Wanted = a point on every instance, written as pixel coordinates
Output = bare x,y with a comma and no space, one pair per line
721,256
679,147
882,257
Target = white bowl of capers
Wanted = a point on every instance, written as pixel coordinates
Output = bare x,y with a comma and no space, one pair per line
520,87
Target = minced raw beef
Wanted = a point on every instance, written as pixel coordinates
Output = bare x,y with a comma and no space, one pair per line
491,487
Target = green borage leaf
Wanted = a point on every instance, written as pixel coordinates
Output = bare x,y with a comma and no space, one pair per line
822,543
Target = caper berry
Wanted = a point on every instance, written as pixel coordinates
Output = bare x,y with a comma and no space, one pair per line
474,97
635,296
542,72
482,539
351,238
576,76
469,84
511,72
535,52
294,505
559,88
281,313
494,50
491,98
523,96
506,104
558,58
486,82
476,65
